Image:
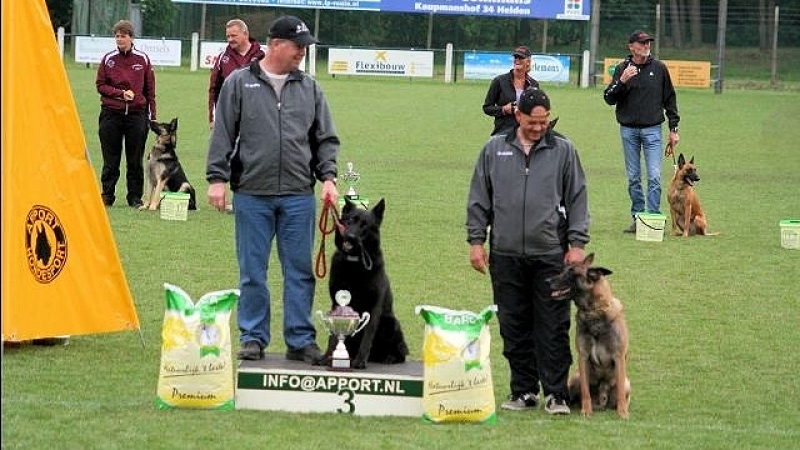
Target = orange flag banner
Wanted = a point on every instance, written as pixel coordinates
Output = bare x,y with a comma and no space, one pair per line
61,272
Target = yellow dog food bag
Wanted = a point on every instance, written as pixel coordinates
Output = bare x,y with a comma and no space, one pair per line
196,366
458,383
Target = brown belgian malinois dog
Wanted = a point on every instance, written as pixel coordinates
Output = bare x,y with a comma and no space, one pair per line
601,338
688,218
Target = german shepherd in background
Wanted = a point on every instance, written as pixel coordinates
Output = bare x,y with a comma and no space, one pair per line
601,338
688,218
163,168
357,266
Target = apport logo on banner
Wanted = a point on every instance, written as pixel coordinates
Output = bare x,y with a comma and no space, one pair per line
45,244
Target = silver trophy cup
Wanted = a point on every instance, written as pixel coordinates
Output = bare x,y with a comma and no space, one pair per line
342,321
351,178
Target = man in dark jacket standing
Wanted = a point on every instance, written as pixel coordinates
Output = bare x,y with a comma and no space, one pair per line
528,197
642,91
241,51
273,139
127,88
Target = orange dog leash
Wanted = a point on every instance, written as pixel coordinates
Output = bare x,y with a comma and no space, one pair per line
328,223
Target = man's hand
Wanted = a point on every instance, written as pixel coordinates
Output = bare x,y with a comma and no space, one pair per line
674,138
575,255
478,258
216,195
329,192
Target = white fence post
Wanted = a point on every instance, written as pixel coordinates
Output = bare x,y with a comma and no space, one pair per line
448,63
311,56
195,53
586,61
60,37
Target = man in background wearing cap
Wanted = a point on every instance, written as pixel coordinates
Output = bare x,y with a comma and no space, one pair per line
505,89
642,91
273,138
528,196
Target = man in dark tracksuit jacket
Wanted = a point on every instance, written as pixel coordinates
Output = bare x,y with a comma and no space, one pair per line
273,139
642,91
127,88
528,196
240,51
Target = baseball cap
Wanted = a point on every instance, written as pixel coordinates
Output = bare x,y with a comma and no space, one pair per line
292,28
640,36
531,98
522,52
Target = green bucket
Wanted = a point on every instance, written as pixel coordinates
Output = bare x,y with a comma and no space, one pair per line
650,227
790,234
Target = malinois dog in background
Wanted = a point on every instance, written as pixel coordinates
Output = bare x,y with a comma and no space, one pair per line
163,168
688,218
601,338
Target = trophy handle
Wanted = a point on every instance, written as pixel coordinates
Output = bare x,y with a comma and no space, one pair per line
362,323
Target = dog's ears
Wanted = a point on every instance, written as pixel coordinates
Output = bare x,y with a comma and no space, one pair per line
154,127
691,161
378,210
589,259
348,205
173,125
595,273
682,160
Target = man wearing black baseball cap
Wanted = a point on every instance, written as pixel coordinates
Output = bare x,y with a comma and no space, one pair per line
640,37
528,200
273,139
293,29
642,91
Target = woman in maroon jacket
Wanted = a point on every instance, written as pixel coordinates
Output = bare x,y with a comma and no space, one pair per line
241,51
127,88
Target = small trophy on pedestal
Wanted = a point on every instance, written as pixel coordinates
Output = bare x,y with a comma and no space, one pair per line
351,178
342,321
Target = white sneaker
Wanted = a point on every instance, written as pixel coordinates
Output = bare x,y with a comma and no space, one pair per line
556,405
523,402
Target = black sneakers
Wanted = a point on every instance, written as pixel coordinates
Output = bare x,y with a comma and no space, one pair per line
521,402
556,405
310,354
251,350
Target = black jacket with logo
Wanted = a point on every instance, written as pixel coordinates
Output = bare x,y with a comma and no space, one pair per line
645,98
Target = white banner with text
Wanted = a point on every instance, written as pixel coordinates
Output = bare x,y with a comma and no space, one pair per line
162,52
396,63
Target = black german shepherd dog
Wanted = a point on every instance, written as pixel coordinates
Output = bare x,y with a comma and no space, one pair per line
163,168
357,266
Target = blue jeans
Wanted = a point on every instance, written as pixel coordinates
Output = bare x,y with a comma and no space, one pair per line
290,220
636,141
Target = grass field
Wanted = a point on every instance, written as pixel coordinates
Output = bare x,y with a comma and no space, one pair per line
713,321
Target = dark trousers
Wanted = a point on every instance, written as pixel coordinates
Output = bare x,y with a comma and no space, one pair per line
534,328
114,128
